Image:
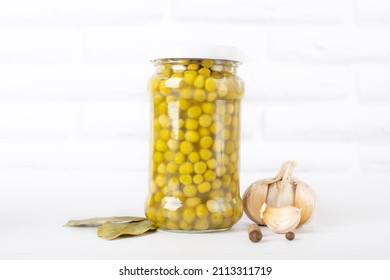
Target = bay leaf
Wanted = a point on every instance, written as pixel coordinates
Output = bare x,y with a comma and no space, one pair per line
111,230
94,222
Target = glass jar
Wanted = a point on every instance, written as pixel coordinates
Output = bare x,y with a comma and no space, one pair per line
195,140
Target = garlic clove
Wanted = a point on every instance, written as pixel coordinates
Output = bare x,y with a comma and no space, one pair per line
253,199
280,219
282,191
306,200
281,194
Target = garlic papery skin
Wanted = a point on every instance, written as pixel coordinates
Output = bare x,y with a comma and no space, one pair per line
283,190
305,199
280,219
253,199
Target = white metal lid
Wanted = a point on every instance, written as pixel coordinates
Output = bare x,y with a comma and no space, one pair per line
196,51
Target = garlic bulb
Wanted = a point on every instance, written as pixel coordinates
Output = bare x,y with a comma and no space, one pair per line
283,190
280,219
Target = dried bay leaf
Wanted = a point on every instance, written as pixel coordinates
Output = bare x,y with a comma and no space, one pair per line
94,222
111,230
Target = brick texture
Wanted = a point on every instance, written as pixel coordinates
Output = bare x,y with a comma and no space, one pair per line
373,11
39,44
73,78
263,10
329,44
330,123
374,83
79,12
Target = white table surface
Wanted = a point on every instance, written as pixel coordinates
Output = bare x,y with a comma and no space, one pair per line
353,221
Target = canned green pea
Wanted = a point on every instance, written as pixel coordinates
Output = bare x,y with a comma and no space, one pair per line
194,165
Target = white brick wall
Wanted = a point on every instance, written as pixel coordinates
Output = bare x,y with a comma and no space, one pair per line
373,82
79,12
329,44
39,44
260,11
73,77
373,11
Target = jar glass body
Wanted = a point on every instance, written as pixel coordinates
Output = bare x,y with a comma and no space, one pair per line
195,140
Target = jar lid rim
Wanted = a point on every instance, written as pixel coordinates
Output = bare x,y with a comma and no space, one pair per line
196,51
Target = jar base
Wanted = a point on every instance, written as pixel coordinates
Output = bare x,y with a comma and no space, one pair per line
194,230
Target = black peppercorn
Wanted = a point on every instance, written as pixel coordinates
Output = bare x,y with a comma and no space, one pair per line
290,235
